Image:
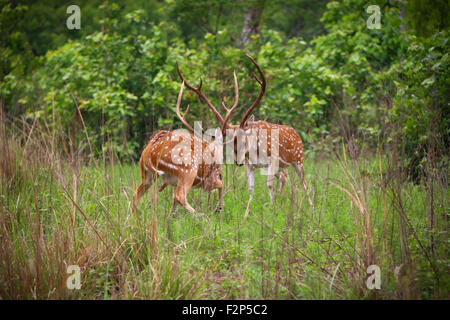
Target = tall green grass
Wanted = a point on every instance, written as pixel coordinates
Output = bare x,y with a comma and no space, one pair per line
58,210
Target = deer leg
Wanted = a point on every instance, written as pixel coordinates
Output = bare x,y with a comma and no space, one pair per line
270,177
270,186
146,182
182,189
282,177
220,204
165,184
143,187
251,180
301,173
174,203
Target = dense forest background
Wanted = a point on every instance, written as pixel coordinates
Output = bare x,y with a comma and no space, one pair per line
329,75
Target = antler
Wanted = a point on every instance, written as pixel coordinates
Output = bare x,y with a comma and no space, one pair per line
236,100
199,92
183,118
262,83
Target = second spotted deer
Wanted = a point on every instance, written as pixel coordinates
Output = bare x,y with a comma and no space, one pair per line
281,144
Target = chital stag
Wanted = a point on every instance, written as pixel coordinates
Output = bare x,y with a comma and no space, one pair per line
173,156
282,139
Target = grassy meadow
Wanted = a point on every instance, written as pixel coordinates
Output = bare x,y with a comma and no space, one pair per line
58,210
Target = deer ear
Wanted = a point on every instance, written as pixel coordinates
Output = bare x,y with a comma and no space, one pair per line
249,122
217,134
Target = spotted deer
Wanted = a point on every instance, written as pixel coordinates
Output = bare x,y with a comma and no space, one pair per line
173,155
282,139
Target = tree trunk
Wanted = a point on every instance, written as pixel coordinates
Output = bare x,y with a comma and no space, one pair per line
402,16
252,21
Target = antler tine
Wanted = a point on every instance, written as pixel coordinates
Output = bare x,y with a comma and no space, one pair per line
236,101
183,118
256,78
187,83
199,92
262,83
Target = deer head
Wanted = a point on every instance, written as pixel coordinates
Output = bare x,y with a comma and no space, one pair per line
230,131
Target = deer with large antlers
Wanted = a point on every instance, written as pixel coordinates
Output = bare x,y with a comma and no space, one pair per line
174,156
281,144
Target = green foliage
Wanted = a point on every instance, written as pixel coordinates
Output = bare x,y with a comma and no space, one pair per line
422,90
426,17
15,53
109,76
